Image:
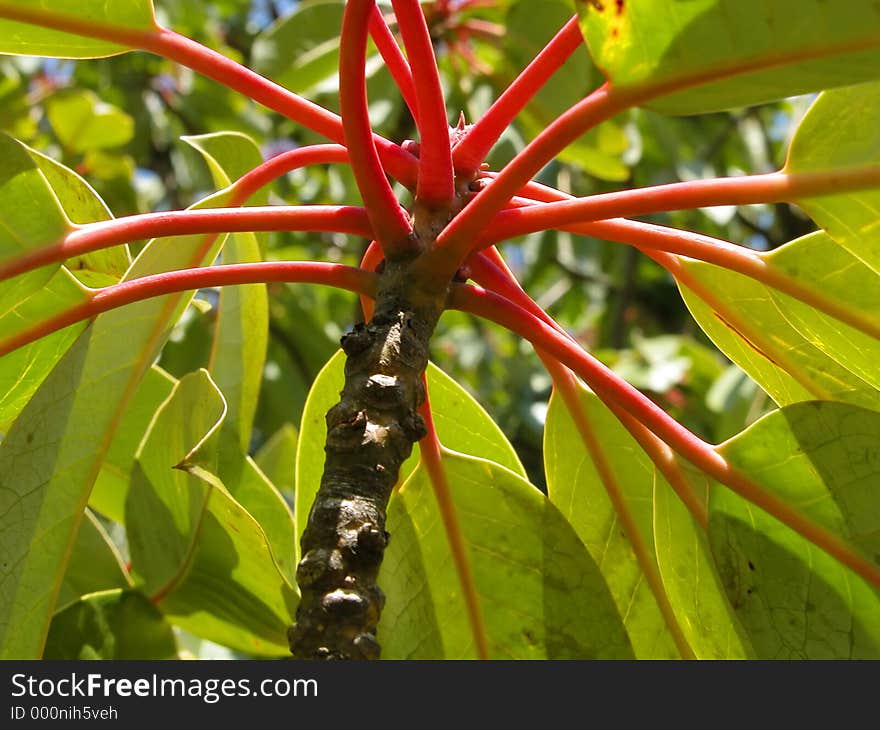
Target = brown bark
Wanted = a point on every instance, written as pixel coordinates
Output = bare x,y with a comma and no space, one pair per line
370,433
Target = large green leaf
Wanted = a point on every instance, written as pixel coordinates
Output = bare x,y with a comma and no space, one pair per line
750,323
203,557
33,40
461,423
719,54
574,485
541,594
692,582
115,624
794,599
826,267
842,129
53,453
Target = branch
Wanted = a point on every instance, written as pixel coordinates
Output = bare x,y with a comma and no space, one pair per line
390,222
104,234
649,237
394,60
482,136
435,185
147,287
747,189
612,389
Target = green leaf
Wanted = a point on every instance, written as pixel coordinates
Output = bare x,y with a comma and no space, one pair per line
692,582
461,423
841,130
53,453
301,50
277,458
819,262
242,329
748,321
717,54
83,122
795,600
29,39
541,594
95,564
116,624
576,488
204,559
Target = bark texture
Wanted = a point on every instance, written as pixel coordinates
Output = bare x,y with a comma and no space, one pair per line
370,433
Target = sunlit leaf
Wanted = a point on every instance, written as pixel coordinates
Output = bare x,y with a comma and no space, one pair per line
842,129
29,38
794,599
729,53
575,487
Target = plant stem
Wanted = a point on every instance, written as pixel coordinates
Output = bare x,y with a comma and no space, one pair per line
394,60
482,136
651,237
610,388
104,234
744,190
147,287
430,454
370,433
390,222
435,188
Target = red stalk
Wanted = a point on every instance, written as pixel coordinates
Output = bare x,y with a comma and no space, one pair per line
482,136
370,262
394,60
612,390
747,189
135,290
435,184
390,222
649,237
490,271
103,234
262,175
